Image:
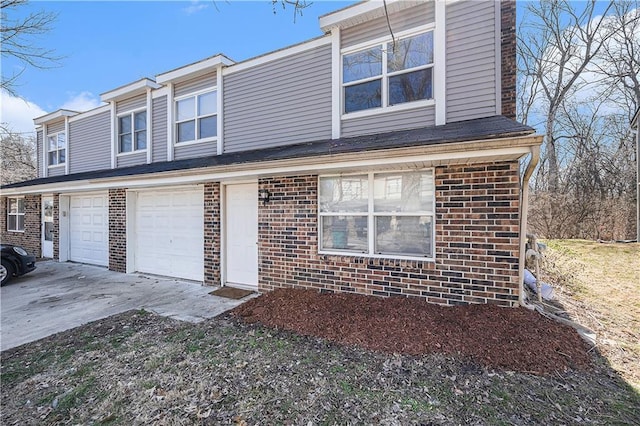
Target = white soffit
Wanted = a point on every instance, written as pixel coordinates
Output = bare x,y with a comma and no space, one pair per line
128,90
363,12
194,70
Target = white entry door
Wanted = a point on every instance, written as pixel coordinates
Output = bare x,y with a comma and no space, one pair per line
169,233
47,226
241,215
89,229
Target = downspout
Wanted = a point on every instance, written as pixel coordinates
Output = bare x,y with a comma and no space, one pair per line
524,206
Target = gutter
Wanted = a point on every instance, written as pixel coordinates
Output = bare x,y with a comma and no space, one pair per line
524,213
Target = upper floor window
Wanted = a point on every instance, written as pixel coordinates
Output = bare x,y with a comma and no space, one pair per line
197,117
56,148
15,214
132,132
388,74
386,214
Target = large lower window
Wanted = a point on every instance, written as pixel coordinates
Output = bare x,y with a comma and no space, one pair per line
378,214
15,214
388,74
197,117
132,132
56,149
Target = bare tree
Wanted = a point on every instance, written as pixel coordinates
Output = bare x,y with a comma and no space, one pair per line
17,157
17,40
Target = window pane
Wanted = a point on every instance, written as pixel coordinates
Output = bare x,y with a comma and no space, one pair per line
53,144
344,194
363,96
61,156
410,192
125,124
48,231
410,52
347,233
141,140
404,235
140,119
208,127
185,109
13,205
48,211
187,131
62,141
53,158
125,143
365,64
12,222
207,103
20,223
410,86
20,205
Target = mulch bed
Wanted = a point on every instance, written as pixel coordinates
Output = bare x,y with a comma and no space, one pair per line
514,339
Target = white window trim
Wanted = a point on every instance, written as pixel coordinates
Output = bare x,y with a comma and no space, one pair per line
175,122
66,150
384,75
371,214
19,231
131,113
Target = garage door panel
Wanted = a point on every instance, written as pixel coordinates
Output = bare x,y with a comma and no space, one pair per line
89,229
170,233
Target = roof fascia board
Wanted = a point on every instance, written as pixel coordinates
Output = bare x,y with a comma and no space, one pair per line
459,152
130,89
278,54
361,12
194,69
61,113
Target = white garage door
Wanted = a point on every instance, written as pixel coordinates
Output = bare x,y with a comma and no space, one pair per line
89,229
169,236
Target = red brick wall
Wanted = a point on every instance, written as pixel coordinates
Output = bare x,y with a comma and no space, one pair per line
476,242
30,239
508,58
118,230
212,231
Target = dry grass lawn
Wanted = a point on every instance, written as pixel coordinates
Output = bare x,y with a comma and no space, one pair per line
598,285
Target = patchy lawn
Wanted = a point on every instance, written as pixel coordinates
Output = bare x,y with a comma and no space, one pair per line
138,368
598,285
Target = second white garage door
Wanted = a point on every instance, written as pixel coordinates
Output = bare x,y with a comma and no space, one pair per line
169,233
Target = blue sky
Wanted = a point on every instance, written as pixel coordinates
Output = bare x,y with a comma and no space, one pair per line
104,45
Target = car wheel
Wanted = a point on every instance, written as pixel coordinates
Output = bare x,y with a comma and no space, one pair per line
6,272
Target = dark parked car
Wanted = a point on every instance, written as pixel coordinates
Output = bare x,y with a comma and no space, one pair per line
15,262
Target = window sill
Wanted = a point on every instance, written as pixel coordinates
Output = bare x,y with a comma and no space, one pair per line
196,142
375,256
125,154
15,232
56,166
384,110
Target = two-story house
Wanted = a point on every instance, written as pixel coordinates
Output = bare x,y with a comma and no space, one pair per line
355,161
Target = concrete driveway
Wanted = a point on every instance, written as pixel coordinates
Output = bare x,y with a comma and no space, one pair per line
60,296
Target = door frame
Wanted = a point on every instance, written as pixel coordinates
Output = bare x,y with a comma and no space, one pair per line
43,241
223,234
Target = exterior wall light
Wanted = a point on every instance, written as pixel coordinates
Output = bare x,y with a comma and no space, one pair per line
263,195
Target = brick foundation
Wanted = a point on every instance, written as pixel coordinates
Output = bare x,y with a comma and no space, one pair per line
476,242
212,230
508,57
31,238
118,230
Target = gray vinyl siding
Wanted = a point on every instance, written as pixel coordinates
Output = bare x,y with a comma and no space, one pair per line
281,102
202,82
56,171
131,159
471,67
55,127
39,151
130,104
90,143
195,150
159,130
400,21
389,121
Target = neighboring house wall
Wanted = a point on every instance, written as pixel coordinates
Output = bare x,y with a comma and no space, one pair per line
159,130
30,239
471,60
281,102
477,245
89,143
